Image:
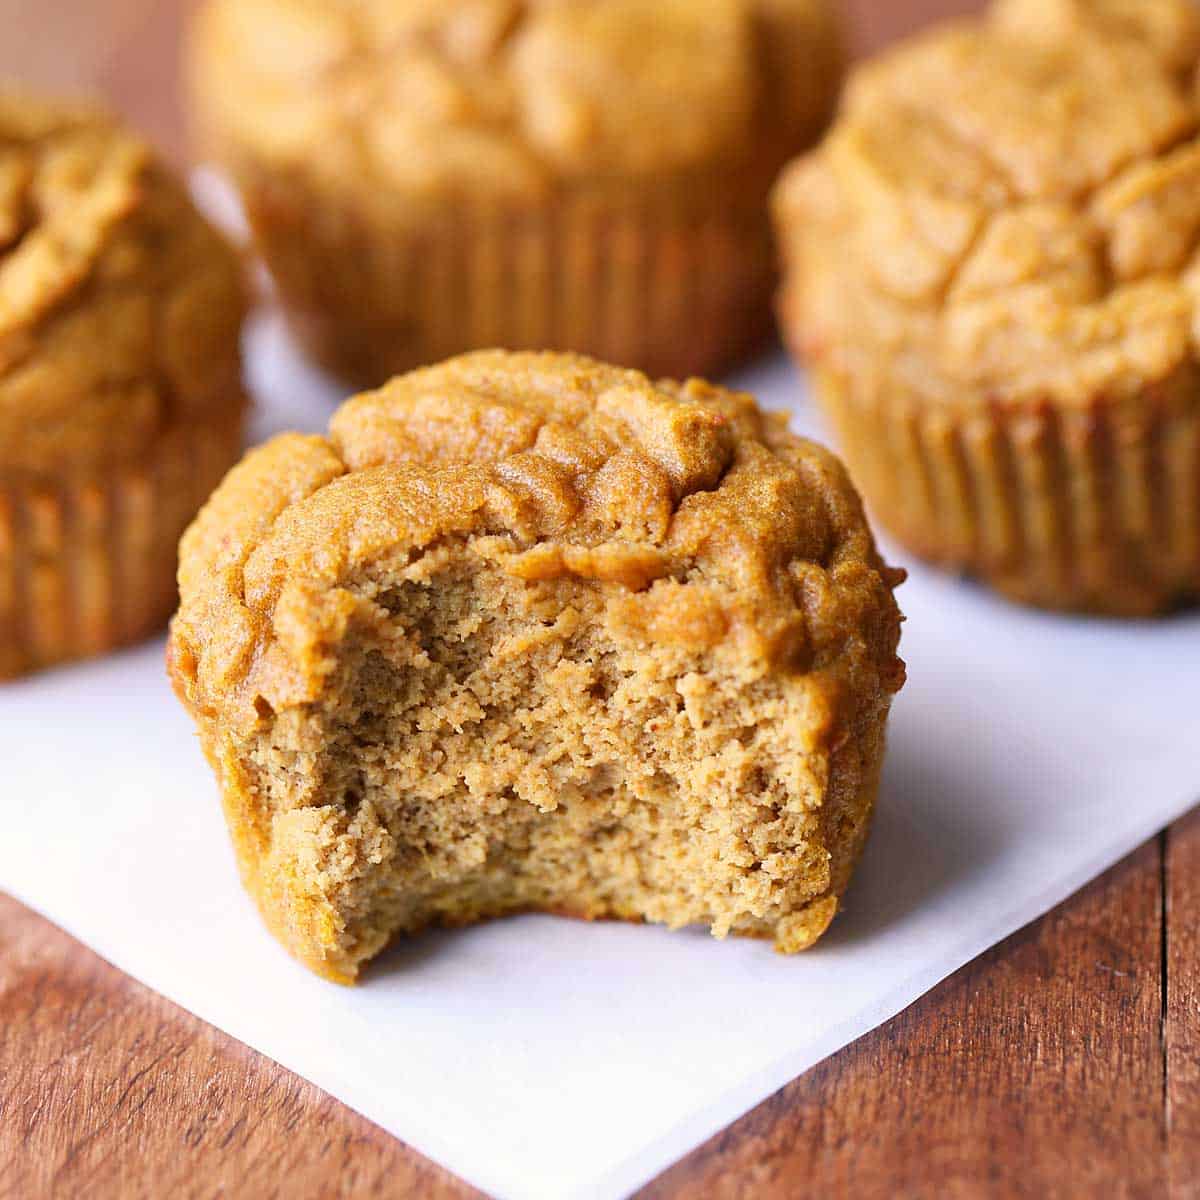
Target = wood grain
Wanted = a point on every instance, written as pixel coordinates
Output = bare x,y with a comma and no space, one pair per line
107,1089
1065,1062
1181,1012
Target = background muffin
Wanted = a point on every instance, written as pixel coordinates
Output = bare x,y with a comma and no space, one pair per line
427,178
120,394
529,632
992,269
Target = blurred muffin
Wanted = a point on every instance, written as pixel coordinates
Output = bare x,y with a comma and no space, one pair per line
120,395
992,268
431,176
529,632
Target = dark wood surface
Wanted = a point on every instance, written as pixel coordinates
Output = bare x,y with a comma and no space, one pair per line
1064,1062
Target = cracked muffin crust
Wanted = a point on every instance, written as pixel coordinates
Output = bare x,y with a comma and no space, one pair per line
425,178
529,632
992,268
120,391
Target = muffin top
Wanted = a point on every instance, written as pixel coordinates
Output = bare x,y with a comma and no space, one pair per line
680,515
510,96
1007,209
119,306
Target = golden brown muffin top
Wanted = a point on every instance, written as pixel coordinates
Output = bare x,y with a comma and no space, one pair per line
701,520
509,96
119,306
1008,208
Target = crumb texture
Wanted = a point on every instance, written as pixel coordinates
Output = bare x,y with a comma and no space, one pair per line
528,632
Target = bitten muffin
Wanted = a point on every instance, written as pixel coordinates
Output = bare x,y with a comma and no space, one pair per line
120,394
529,632
426,178
992,268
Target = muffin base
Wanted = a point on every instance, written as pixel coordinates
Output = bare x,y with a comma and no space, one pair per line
1092,508
89,565
672,289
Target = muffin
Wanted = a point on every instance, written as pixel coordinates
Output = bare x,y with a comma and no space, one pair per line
992,270
526,632
120,395
426,177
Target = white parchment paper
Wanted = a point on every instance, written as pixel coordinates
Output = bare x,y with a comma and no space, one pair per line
543,1058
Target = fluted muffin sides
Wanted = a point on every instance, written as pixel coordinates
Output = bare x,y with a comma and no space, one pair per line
678,286
120,394
992,268
524,631
89,564
1093,509
424,180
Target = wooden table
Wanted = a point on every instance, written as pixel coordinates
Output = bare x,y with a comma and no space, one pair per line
1064,1062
